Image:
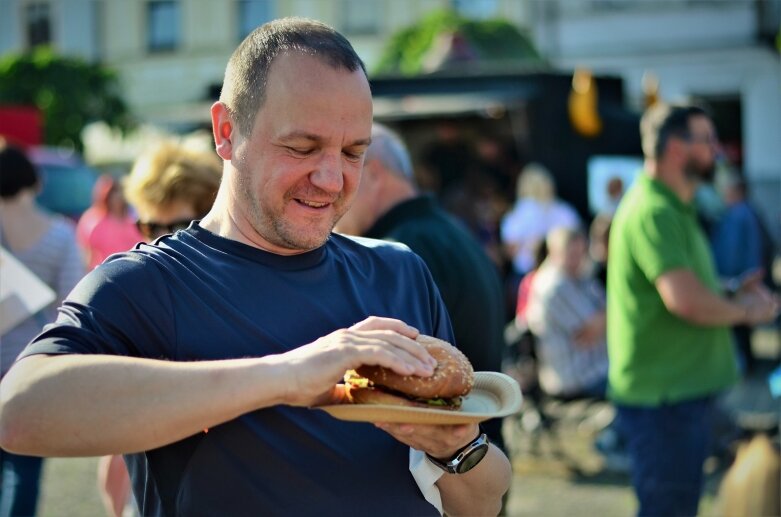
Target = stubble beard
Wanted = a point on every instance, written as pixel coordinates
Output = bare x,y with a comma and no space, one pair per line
699,173
275,229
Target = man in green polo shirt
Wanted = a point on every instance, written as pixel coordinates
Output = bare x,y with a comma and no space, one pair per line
669,345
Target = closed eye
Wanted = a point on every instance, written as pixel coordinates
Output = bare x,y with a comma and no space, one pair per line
354,155
300,151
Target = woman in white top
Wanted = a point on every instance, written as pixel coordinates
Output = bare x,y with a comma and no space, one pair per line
536,212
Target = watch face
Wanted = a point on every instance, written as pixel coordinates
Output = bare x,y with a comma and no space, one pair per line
472,459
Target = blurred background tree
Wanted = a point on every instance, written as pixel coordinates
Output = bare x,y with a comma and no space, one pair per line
69,92
443,39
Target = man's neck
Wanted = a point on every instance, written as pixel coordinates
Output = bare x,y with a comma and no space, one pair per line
224,220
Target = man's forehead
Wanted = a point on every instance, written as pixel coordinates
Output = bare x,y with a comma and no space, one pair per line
305,77
700,122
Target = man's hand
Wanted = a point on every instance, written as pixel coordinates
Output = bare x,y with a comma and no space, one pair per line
440,441
747,280
592,332
760,304
316,368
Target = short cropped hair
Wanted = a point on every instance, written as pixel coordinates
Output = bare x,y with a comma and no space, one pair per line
17,172
388,148
246,76
662,121
172,173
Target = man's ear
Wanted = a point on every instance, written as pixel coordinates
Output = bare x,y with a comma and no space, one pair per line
223,130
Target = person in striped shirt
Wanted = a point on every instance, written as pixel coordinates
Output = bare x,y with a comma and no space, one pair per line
566,312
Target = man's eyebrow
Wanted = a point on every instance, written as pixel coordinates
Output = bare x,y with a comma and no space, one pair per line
304,135
300,135
361,141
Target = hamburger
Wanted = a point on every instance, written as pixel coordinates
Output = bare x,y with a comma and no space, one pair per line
452,379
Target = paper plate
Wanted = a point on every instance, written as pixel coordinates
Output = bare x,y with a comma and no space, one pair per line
493,395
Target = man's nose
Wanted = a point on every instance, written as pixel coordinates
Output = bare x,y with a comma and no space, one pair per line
328,175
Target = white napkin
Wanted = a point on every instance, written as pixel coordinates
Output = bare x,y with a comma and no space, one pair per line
426,475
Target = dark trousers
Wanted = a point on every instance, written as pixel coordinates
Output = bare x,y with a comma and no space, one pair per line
19,481
667,446
742,336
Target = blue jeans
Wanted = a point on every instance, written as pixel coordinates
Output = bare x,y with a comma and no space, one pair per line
19,482
667,446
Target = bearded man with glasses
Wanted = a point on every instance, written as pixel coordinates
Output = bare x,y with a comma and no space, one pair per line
668,319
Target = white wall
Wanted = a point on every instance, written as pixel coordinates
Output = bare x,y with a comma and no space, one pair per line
10,37
719,25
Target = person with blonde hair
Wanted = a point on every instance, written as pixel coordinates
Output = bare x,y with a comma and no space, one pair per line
171,185
535,182
537,211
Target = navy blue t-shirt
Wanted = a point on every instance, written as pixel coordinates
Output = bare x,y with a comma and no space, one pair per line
197,296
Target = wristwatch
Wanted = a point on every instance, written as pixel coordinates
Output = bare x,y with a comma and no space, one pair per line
466,458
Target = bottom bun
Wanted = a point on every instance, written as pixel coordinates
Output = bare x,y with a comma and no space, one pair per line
377,397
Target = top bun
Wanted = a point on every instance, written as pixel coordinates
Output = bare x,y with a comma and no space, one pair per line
453,376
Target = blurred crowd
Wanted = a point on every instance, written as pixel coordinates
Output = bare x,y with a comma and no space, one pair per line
169,186
545,262
696,257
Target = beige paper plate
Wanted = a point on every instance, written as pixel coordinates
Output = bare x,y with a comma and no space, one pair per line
493,395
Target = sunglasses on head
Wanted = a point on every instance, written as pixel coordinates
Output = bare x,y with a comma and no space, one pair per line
152,229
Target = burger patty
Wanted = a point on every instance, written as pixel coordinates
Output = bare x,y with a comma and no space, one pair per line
357,394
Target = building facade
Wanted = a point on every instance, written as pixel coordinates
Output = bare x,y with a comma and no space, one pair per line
170,54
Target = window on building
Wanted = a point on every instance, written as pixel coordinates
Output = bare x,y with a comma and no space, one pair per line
162,25
37,21
476,9
361,16
253,13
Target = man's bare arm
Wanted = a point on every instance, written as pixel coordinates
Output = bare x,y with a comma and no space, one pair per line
87,405
687,297
479,491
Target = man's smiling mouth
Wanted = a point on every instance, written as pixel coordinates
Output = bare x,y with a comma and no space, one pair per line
312,204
